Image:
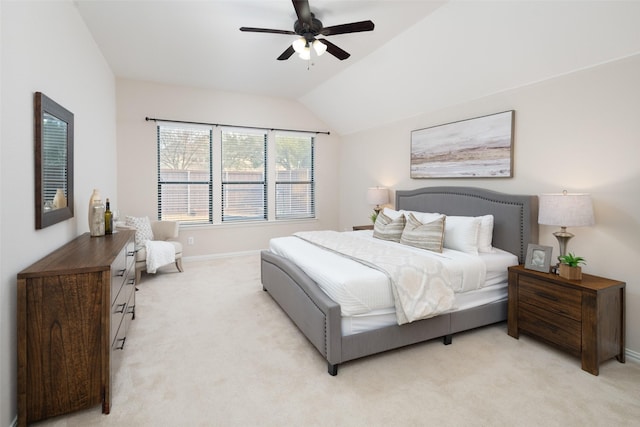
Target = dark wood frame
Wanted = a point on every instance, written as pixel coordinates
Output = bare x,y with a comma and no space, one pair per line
319,317
42,105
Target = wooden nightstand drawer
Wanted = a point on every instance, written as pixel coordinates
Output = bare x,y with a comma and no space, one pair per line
551,297
583,317
559,330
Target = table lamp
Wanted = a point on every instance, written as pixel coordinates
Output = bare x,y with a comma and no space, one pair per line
565,210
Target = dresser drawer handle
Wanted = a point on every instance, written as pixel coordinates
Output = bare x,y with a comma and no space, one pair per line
131,282
546,296
131,253
122,341
132,309
120,308
121,272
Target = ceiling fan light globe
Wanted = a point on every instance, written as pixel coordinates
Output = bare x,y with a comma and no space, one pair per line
305,54
299,44
319,47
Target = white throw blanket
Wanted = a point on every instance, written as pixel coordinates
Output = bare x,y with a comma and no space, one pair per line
421,286
159,253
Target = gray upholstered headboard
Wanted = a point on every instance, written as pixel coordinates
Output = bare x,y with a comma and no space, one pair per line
515,216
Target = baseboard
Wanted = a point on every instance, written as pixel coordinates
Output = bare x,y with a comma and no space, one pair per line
633,355
220,256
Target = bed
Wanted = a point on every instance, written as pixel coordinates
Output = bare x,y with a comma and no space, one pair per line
320,318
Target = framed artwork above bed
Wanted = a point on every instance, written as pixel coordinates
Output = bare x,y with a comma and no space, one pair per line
481,147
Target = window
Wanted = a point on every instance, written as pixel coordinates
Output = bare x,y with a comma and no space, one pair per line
244,182
295,192
209,175
184,174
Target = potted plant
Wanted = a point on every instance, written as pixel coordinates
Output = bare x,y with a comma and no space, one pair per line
373,217
570,266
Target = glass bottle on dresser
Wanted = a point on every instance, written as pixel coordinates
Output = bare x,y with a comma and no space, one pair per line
108,219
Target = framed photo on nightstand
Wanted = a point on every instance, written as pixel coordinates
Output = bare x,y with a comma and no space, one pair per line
538,258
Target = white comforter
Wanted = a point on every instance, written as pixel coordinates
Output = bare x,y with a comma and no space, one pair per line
422,282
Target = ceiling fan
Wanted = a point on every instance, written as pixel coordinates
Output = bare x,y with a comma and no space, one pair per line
308,27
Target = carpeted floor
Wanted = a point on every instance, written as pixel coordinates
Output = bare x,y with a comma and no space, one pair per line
209,347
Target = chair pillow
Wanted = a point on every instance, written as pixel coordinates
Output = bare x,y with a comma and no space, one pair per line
386,228
143,229
427,236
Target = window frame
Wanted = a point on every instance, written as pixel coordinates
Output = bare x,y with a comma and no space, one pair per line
216,182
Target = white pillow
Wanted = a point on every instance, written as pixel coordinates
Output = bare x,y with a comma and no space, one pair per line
485,234
143,229
391,213
461,233
423,217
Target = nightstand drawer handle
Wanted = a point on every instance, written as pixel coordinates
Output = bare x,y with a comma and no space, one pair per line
121,272
546,296
120,308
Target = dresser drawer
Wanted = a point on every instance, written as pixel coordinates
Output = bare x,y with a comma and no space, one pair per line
560,330
554,298
124,302
118,274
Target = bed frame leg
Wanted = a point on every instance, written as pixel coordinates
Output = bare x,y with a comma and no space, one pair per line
446,340
333,369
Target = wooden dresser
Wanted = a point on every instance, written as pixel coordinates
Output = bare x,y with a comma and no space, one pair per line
74,307
583,317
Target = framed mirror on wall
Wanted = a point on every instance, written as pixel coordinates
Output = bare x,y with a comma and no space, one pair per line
53,161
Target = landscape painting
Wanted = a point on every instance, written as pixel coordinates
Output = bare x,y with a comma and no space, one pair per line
475,148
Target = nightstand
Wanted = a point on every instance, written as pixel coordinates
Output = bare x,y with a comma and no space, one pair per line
362,227
583,317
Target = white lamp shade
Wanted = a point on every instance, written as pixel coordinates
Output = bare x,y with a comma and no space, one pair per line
299,44
566,210
305,54
319,47
377,196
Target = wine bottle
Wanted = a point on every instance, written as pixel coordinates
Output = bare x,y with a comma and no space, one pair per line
108,219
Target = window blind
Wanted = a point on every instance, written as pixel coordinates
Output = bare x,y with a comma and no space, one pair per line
295,184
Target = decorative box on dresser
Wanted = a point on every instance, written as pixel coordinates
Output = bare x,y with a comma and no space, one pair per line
583,317
74,308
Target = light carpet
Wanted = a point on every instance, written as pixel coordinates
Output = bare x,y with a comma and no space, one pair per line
209,347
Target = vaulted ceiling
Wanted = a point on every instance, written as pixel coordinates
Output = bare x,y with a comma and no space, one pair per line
422,56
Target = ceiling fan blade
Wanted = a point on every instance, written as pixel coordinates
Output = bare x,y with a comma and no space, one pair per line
266,30
354,27
335,50
286,54
302,10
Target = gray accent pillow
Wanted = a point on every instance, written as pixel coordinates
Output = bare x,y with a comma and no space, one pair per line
386,228
429,236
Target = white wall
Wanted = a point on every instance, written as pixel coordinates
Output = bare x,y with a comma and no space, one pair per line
137,157
46,47
578,132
